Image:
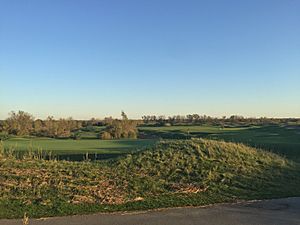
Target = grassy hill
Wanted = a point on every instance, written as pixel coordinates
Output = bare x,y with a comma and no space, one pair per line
281,139
173,173
201,164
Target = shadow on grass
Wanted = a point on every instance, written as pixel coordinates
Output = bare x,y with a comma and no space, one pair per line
90,156
278,139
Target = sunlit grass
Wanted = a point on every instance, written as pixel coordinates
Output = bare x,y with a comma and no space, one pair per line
173,173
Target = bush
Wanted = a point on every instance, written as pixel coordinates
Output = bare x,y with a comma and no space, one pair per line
124,128
3,136
105,136
132,134
76,136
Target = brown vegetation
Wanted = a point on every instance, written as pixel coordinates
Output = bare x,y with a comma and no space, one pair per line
116,129
23,124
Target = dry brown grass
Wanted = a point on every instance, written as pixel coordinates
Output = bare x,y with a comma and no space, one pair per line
33,180
25,220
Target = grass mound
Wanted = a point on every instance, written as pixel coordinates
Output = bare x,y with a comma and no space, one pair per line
200,165
173,173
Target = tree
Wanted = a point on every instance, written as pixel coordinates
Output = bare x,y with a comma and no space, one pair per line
108,120
38,127
117,129
105,135
20,123
50,127
190,118
124,116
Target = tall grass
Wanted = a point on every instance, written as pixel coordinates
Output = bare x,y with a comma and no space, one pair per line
31,153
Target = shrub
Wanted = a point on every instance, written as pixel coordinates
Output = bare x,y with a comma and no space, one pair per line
132,134
105,136
76,136
124,128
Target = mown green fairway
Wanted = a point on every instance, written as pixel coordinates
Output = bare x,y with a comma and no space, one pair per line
69,146
284,140
183,132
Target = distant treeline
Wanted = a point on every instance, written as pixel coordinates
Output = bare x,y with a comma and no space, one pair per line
23,124
196,119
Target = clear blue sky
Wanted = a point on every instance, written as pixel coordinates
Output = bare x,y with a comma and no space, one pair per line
89,58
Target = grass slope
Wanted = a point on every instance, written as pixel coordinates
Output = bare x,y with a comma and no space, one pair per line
173,173
284,140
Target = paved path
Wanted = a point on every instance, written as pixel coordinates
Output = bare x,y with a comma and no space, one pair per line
271,212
